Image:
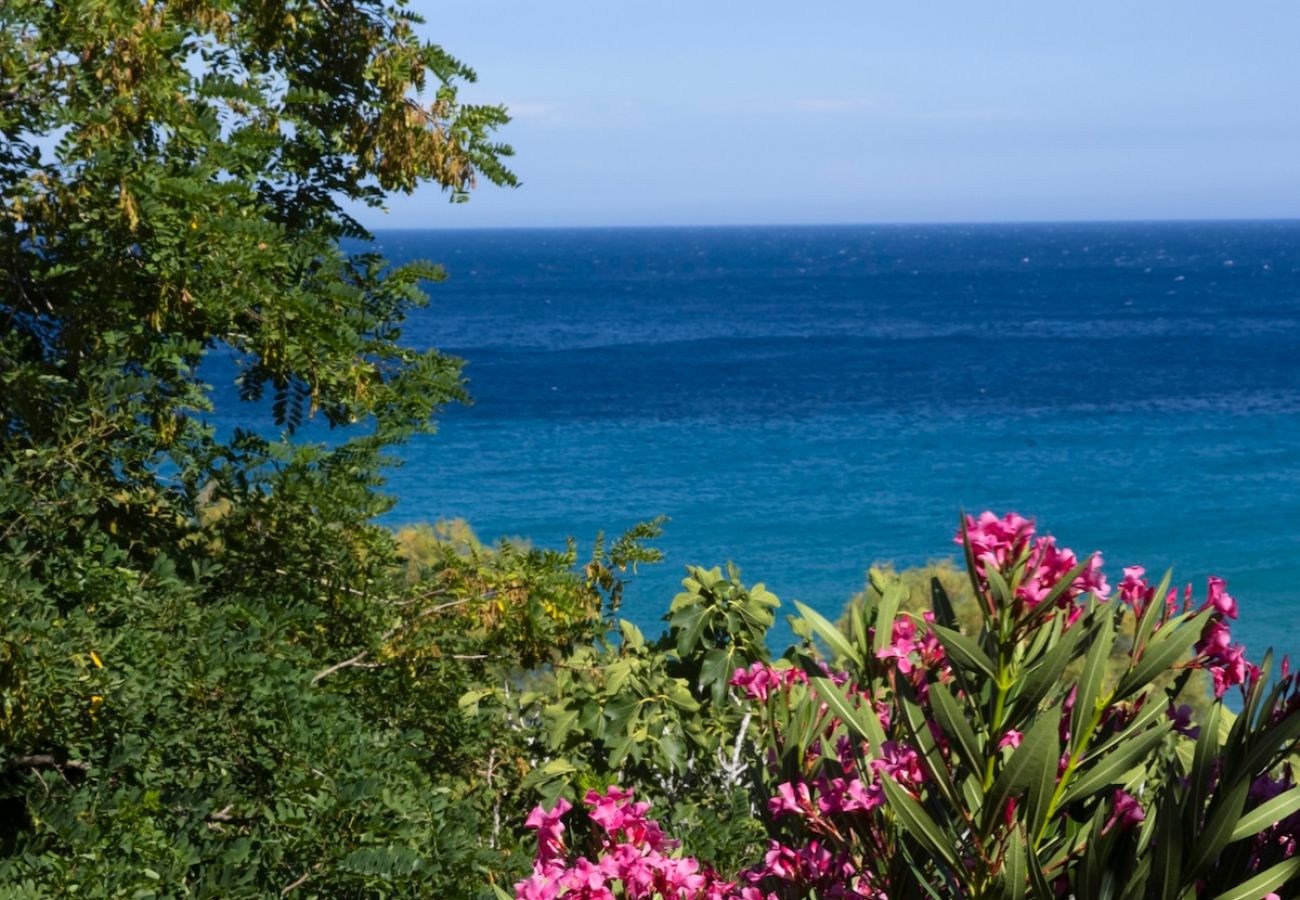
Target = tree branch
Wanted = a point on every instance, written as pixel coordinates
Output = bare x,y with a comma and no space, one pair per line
47,761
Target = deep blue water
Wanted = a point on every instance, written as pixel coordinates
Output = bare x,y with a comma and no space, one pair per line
806,401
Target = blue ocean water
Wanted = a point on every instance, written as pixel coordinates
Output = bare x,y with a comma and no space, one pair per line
806,401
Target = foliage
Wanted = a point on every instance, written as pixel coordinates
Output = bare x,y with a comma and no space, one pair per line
923,759
174,185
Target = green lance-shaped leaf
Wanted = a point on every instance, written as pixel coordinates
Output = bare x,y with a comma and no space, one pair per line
944,614
1225,813
1168,645
1042,890
1000,590
1090,684
1264,883
1111,768
1015,868
1198,777
889,603
861,720
1266,814
964,651
1147,623
917,822
952,719
923,739
1166,853
1265,746
1155,709
1046,674
1031,768
839,645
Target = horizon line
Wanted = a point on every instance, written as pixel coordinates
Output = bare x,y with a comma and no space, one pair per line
1210,220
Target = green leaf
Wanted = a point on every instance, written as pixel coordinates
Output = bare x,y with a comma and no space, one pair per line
889,603
1090,682
860,720
1031,768
1225,812
1166,852
944,614
964,651
838,644
1042,890
1015,868
917,822
1203,759
1168,645
1038,680
1266,814
951,718
1265,882
1112,767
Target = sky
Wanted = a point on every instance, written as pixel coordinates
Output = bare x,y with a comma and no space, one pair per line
719,112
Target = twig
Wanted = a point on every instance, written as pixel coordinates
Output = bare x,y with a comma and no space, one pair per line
733,770
46,761
297,883
358,660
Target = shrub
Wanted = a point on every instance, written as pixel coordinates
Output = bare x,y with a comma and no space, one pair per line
919,758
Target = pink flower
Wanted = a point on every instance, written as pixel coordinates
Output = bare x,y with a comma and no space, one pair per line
1182,717
1011,739
1220,599
1126,812
996,540
549,828
790,799
1134,589
760,680
903,644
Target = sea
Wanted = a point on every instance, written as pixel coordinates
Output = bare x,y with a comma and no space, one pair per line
808,401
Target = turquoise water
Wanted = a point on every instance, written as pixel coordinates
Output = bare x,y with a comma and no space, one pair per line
805,401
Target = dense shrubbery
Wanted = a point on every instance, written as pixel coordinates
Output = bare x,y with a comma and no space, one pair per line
218,677
918,758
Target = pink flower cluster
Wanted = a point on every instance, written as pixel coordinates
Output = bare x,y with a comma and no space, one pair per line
908,650
631,862
760,680
811,870
1225,660
1002,542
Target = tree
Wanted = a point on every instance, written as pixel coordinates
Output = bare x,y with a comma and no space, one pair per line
175,180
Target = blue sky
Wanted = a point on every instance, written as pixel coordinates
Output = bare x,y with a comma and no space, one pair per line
632,112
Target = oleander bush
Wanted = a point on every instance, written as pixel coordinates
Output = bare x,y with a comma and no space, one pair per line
917,757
